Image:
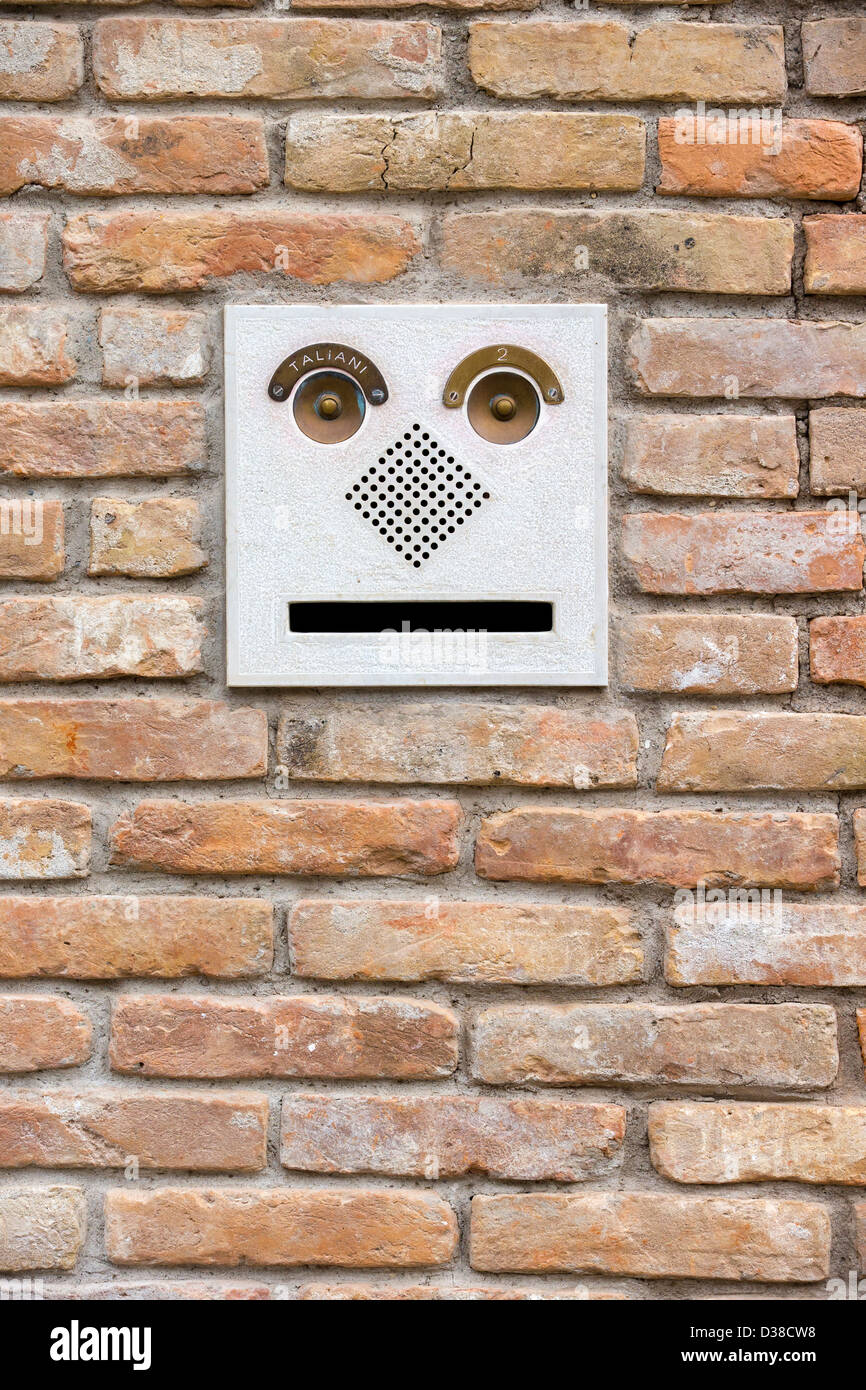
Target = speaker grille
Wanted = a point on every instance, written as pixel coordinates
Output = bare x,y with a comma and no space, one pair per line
416,495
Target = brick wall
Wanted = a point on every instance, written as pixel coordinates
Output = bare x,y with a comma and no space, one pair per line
385,994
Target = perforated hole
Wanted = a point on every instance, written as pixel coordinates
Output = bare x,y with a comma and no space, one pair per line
416,495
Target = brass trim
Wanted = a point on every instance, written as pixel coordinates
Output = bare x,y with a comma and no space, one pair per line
320,356
503,355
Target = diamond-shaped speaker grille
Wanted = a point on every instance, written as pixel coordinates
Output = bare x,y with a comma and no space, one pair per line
416,495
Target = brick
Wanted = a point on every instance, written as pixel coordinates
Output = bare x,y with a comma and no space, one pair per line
282,60
41,1227
712,455
837,450
109,253
641,250
34,347
717,1046
450,1137
834,56
606,61
748,357
23,247
652,1235
289,837
31,538
163,1291
779,158
40,62
767,943
464,942
114,155
450,1293
104,1129
459,5
742,553
101,438
37,1033
730,1142
107,938
859,819
465,150
154,538
44,839
481,744
768,750
860,1219
837,650
67,638
714,654
676,848
835,250
350,1228
314,1035
153,347
132,740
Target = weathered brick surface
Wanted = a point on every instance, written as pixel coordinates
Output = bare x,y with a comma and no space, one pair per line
465,150
465,942
281,59
710,253
837,650
306,1035
41,1227
23,247
748,357
155,538
711,455
34,348
652,1234
450,1136
482,744
159,1129
834,56
742,553
104,938
737,1142
716,1046
41,62
639,900
44,839
289,837
677,848
767,751
38,1032
794,159
667,653
67,638
835,250
101,438
31,539
767,942
107,253
113,155
153,347
837,450
598,59
349,1227
135,740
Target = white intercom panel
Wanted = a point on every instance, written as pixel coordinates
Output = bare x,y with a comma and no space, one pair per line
416,495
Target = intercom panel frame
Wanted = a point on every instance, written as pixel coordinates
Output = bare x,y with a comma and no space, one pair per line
291,534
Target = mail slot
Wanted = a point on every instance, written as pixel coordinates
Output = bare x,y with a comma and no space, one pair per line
399,473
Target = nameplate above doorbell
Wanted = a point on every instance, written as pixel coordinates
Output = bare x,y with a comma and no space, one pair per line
416,494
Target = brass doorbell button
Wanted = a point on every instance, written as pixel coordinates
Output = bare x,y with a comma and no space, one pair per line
503,356
329,407
503,407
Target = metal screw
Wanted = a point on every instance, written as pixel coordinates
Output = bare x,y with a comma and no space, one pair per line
377,394
278,392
